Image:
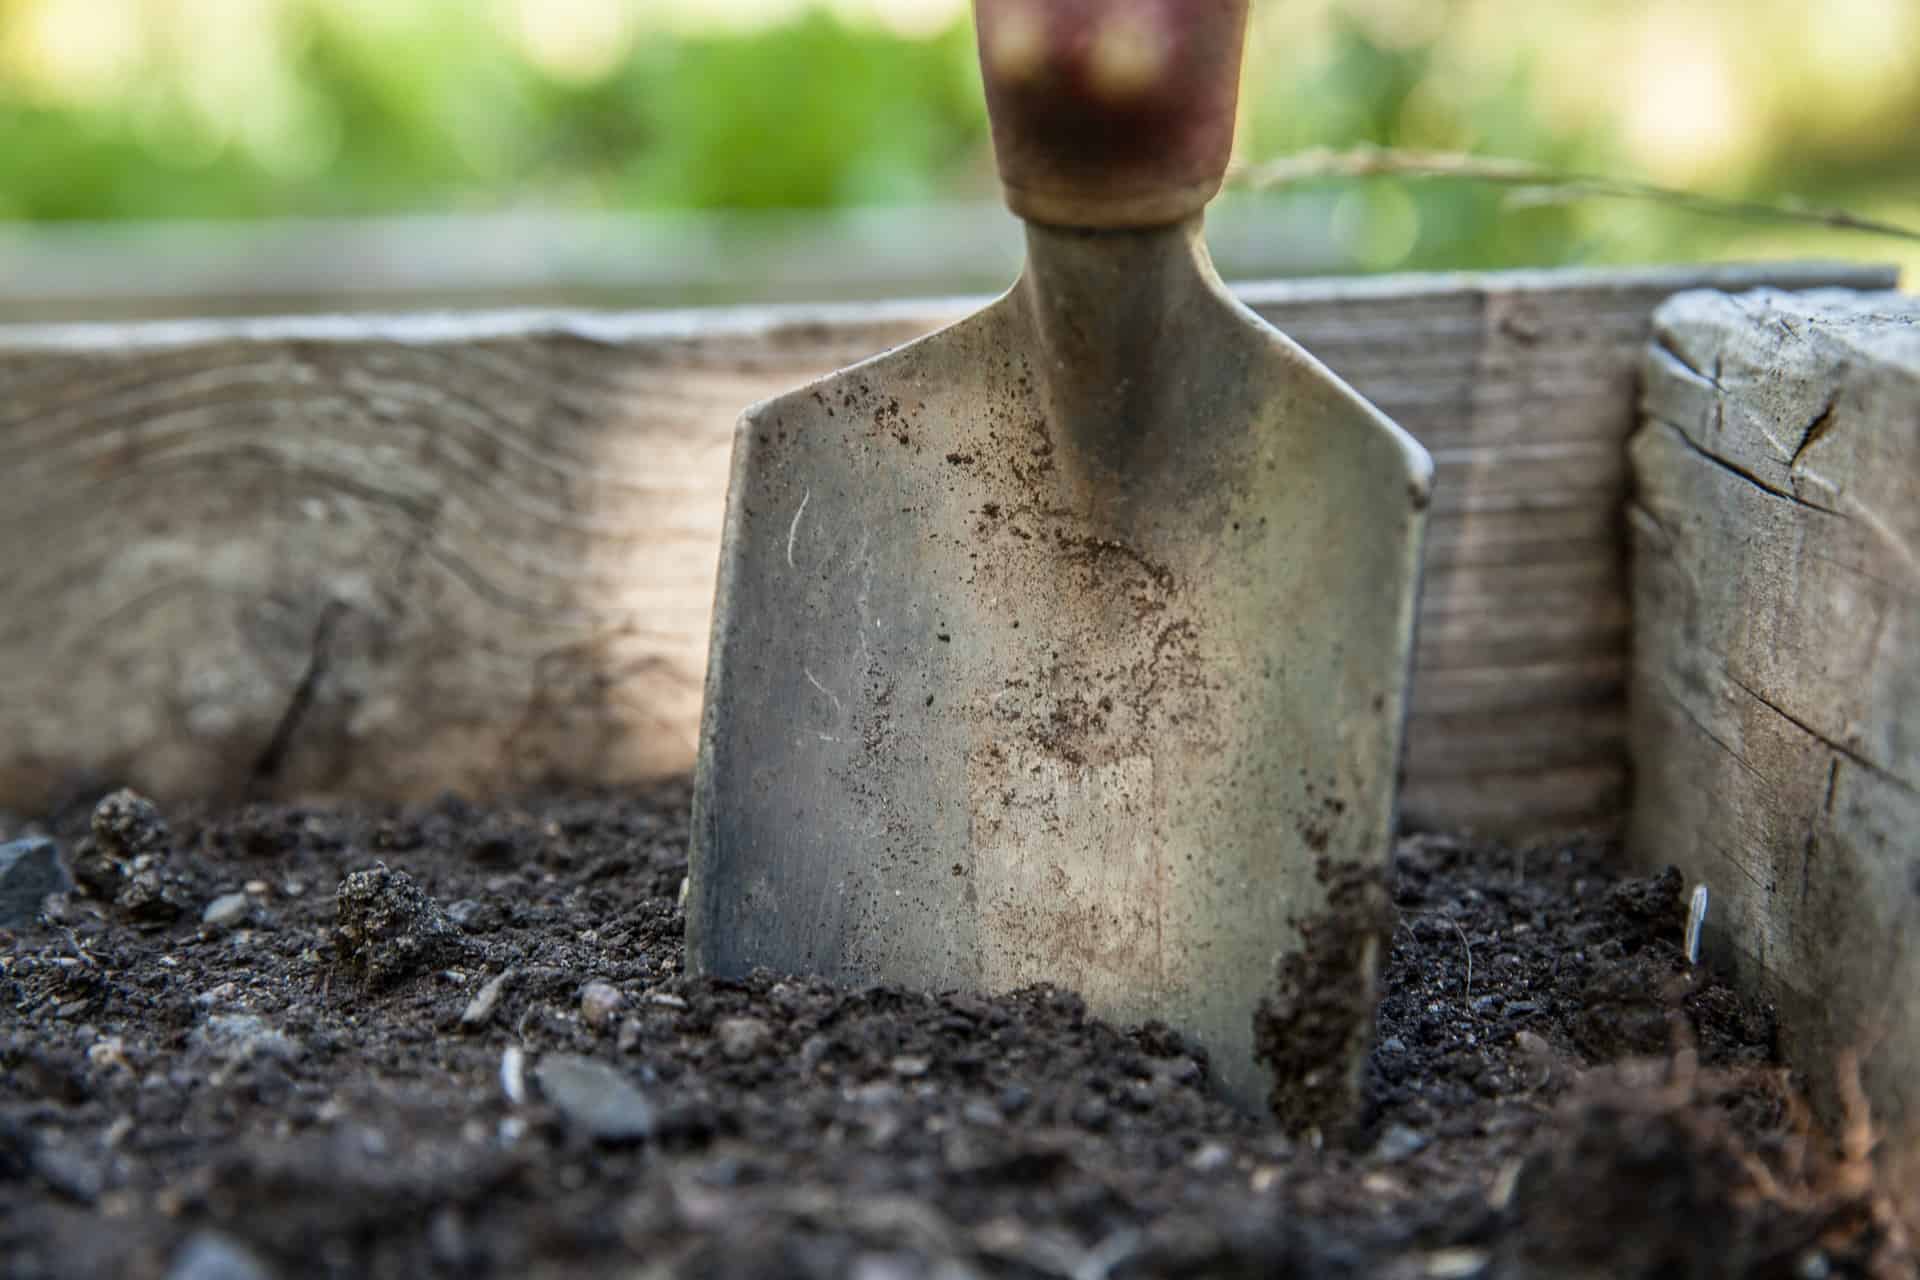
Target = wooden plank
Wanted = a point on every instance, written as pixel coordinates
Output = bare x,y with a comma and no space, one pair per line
392,556
1524,801
1776,695
484,548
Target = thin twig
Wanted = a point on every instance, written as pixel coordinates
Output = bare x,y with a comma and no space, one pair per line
1466,988
1321,164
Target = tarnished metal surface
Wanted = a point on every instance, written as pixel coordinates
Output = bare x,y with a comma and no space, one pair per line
1059,646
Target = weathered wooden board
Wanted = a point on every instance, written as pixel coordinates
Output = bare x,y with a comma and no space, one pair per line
393,556
1776,697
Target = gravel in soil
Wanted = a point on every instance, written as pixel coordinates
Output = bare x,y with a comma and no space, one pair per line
457,1041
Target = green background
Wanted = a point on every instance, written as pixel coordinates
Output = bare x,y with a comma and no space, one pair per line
211,109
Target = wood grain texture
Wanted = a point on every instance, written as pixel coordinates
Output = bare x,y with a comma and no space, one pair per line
392,556
1776,697
1523,387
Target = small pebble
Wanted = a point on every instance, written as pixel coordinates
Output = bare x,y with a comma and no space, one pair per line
220,994
77,1175
480,1009
879,1093
887,1266
911,1066
513,1075
1399,1142
243,1037
741,1038
227,909
983,1113
1209,1157
594,1098
1500,1194
599,1002
110,1054
210,1255
1457,1264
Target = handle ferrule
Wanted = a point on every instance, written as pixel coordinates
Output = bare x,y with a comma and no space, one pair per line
1111,114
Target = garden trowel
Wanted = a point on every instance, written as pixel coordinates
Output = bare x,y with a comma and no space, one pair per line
1070,644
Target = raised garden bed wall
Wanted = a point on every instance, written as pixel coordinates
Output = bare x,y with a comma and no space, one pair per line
1776,693
389,557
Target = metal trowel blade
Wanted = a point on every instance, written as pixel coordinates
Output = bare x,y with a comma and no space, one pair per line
1070,645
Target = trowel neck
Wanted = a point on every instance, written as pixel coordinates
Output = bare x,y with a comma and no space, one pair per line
1105,305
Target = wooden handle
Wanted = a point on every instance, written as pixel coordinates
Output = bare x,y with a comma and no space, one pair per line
1111,114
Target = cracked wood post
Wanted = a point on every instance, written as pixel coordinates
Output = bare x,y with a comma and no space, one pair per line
1776,692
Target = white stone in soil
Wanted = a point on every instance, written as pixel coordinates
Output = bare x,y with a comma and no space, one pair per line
594,1098
227,909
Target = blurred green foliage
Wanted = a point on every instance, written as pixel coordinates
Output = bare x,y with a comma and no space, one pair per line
1367,91
808,114
357,107
439,112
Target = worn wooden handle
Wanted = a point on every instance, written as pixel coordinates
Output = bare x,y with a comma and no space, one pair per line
1111,113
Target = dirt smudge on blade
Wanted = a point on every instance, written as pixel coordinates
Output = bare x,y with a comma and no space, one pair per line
1312,1031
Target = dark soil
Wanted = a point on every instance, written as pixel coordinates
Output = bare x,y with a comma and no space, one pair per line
457,1041
1312,1030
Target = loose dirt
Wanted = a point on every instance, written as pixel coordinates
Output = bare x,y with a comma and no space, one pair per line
457,1041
